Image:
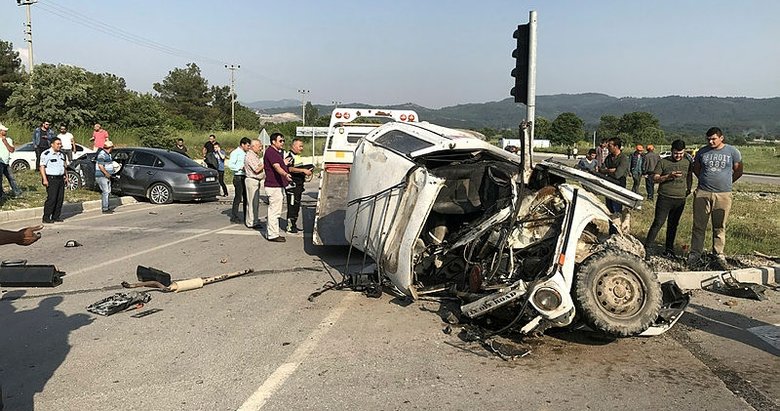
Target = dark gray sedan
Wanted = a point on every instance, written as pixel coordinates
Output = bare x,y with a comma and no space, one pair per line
161,176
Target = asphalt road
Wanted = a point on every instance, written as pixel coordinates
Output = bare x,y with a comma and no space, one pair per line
256,341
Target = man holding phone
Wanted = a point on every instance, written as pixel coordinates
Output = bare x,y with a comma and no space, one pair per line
674,175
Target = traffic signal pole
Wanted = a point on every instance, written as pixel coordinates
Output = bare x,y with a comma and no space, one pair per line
524,90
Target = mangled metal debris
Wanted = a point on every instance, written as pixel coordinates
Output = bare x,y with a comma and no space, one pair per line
154,278
120,302
441,212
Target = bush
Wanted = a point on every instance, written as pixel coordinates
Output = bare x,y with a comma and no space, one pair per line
157,136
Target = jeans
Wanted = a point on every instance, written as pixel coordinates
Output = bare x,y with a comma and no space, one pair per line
650,186
708,206
637,182
239,196
105,190
669,209
5,170
222,181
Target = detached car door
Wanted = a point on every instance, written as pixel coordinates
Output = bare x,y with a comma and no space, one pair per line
139,172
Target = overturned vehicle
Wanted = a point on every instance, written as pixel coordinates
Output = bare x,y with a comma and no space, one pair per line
441,211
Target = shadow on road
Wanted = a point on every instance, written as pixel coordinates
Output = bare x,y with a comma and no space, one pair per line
33,343
334,256
727,324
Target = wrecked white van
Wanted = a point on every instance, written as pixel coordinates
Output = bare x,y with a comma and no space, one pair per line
440,211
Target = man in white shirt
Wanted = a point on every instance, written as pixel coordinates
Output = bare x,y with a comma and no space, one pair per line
67,142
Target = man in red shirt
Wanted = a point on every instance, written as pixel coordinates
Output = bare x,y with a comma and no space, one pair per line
99,137
277,177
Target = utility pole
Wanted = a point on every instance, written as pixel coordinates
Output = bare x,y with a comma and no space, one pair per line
303,105
28,32
232,69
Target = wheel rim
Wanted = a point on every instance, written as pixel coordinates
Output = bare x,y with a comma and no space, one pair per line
620,292
72,182
19,166
159,194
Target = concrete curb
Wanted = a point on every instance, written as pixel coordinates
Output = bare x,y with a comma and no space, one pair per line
67,209
693,280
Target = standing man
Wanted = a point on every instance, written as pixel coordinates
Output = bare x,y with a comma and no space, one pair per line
717,166
255,174
53,177
294,193
277,177
42,137
67,142
615,170
648,167
236,164
104,168
99,137
180,147
636,167
208,146
674,176
6,148
602,152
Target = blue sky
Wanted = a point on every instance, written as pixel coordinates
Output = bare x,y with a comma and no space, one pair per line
433,53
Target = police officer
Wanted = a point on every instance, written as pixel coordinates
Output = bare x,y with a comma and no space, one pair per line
295,189
53,177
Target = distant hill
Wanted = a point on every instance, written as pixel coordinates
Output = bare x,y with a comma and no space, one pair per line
271,104
676,113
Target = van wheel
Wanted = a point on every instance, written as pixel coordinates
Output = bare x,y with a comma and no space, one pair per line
617,293
160,193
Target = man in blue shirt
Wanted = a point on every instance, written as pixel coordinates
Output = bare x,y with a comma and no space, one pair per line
104,169
717,166
54,178
236,165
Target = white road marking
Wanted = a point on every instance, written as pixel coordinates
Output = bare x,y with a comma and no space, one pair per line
148,250
124,229
281,374
240,232
769,333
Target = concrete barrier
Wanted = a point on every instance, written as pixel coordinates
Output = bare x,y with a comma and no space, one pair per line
691,280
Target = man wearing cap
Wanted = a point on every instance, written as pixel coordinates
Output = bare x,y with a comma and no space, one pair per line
41,139
54,178
104,169
636,167
6,148
648,166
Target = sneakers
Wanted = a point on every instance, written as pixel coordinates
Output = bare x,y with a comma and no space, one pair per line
108,211
292,226
277,240
694,259
235,221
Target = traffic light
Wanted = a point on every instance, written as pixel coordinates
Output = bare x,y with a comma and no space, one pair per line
520,72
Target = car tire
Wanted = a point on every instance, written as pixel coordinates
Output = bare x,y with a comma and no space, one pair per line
616,292
20,165
74,180
160,193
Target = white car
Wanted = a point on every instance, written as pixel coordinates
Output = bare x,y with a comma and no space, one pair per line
442,212
23,158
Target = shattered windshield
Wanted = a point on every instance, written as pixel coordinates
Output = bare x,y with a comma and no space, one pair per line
402,142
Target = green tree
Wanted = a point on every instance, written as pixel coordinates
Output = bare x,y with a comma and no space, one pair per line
542,128
59,94
142,111
650,135
186,93
609,126
10,72
633,123
566,129
108,98
311,113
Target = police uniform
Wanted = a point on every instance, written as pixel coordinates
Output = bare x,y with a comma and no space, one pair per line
54,164
294,193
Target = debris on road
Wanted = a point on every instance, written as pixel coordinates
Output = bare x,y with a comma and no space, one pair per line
146,312
728,285
120,302
73,243
154,278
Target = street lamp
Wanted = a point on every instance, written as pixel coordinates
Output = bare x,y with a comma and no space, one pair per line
303,94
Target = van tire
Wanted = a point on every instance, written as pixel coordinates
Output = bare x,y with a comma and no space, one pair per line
616,292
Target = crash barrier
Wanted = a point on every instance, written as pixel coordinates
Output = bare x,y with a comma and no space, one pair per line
693,280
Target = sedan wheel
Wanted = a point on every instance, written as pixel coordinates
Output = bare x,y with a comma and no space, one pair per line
160,193
20,165
74,180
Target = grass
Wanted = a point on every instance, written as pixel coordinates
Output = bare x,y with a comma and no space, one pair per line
753,223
